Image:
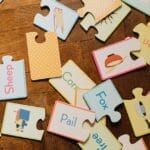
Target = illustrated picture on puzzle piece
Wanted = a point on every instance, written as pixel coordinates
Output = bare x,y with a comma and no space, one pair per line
138,110
127,145
12,79
61,19
115,59
67,120
103,99
21,121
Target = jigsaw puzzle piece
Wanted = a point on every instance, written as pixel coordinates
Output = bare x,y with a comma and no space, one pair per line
12,79
100,138
44,58
98,8
106,26
67,121
125,141
144,37
60,19
115,59
103,99
138,110
21,121
142,5
72,77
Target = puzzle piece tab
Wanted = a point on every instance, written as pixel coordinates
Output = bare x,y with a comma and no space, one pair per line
44,58
60,19
21,121
142,5
12,79
106,26
99,8
125,141
138,110
100,138
115,59
144,37
103,99
67,120
72,77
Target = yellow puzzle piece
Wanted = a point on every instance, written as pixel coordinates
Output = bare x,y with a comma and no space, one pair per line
144,37
138,110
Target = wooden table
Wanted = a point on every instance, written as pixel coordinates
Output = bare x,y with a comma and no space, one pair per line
17,19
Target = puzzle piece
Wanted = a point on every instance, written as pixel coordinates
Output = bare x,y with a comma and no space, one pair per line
142,5
106,26
100,138
99,8
44,58
21,121
67,121
138,110
115,59
60,19
12,79
103,99
144,37
125,141
72,77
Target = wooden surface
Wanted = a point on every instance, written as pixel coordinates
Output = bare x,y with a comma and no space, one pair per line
16,19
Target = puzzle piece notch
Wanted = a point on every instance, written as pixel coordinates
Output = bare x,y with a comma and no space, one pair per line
67,120
125,141
99,9
7,59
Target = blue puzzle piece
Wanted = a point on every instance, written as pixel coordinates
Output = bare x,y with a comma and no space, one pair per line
60,19
103,99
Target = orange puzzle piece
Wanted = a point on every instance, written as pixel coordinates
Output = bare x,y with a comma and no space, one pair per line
44,58
99,8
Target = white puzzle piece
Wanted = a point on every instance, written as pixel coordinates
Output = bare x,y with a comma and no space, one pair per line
115,59
21,121
60,19
12,79
67,120
72,77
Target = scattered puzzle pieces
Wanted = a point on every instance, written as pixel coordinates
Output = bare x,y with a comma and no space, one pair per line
98,8
72,77
142,5
138,110
103,99
21,121
144,37
44,58
115,59
125,141
60,19
12,79
67,120
106,26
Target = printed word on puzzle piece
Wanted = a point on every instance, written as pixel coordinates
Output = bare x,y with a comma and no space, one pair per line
60,19
100,139
142,5
72,77
115,59
44,58
138,110
99,8
67,121
125,141
21,121
144,37
106,26
12,79
103,99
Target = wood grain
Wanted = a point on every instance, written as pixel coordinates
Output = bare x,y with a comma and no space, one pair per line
17,19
